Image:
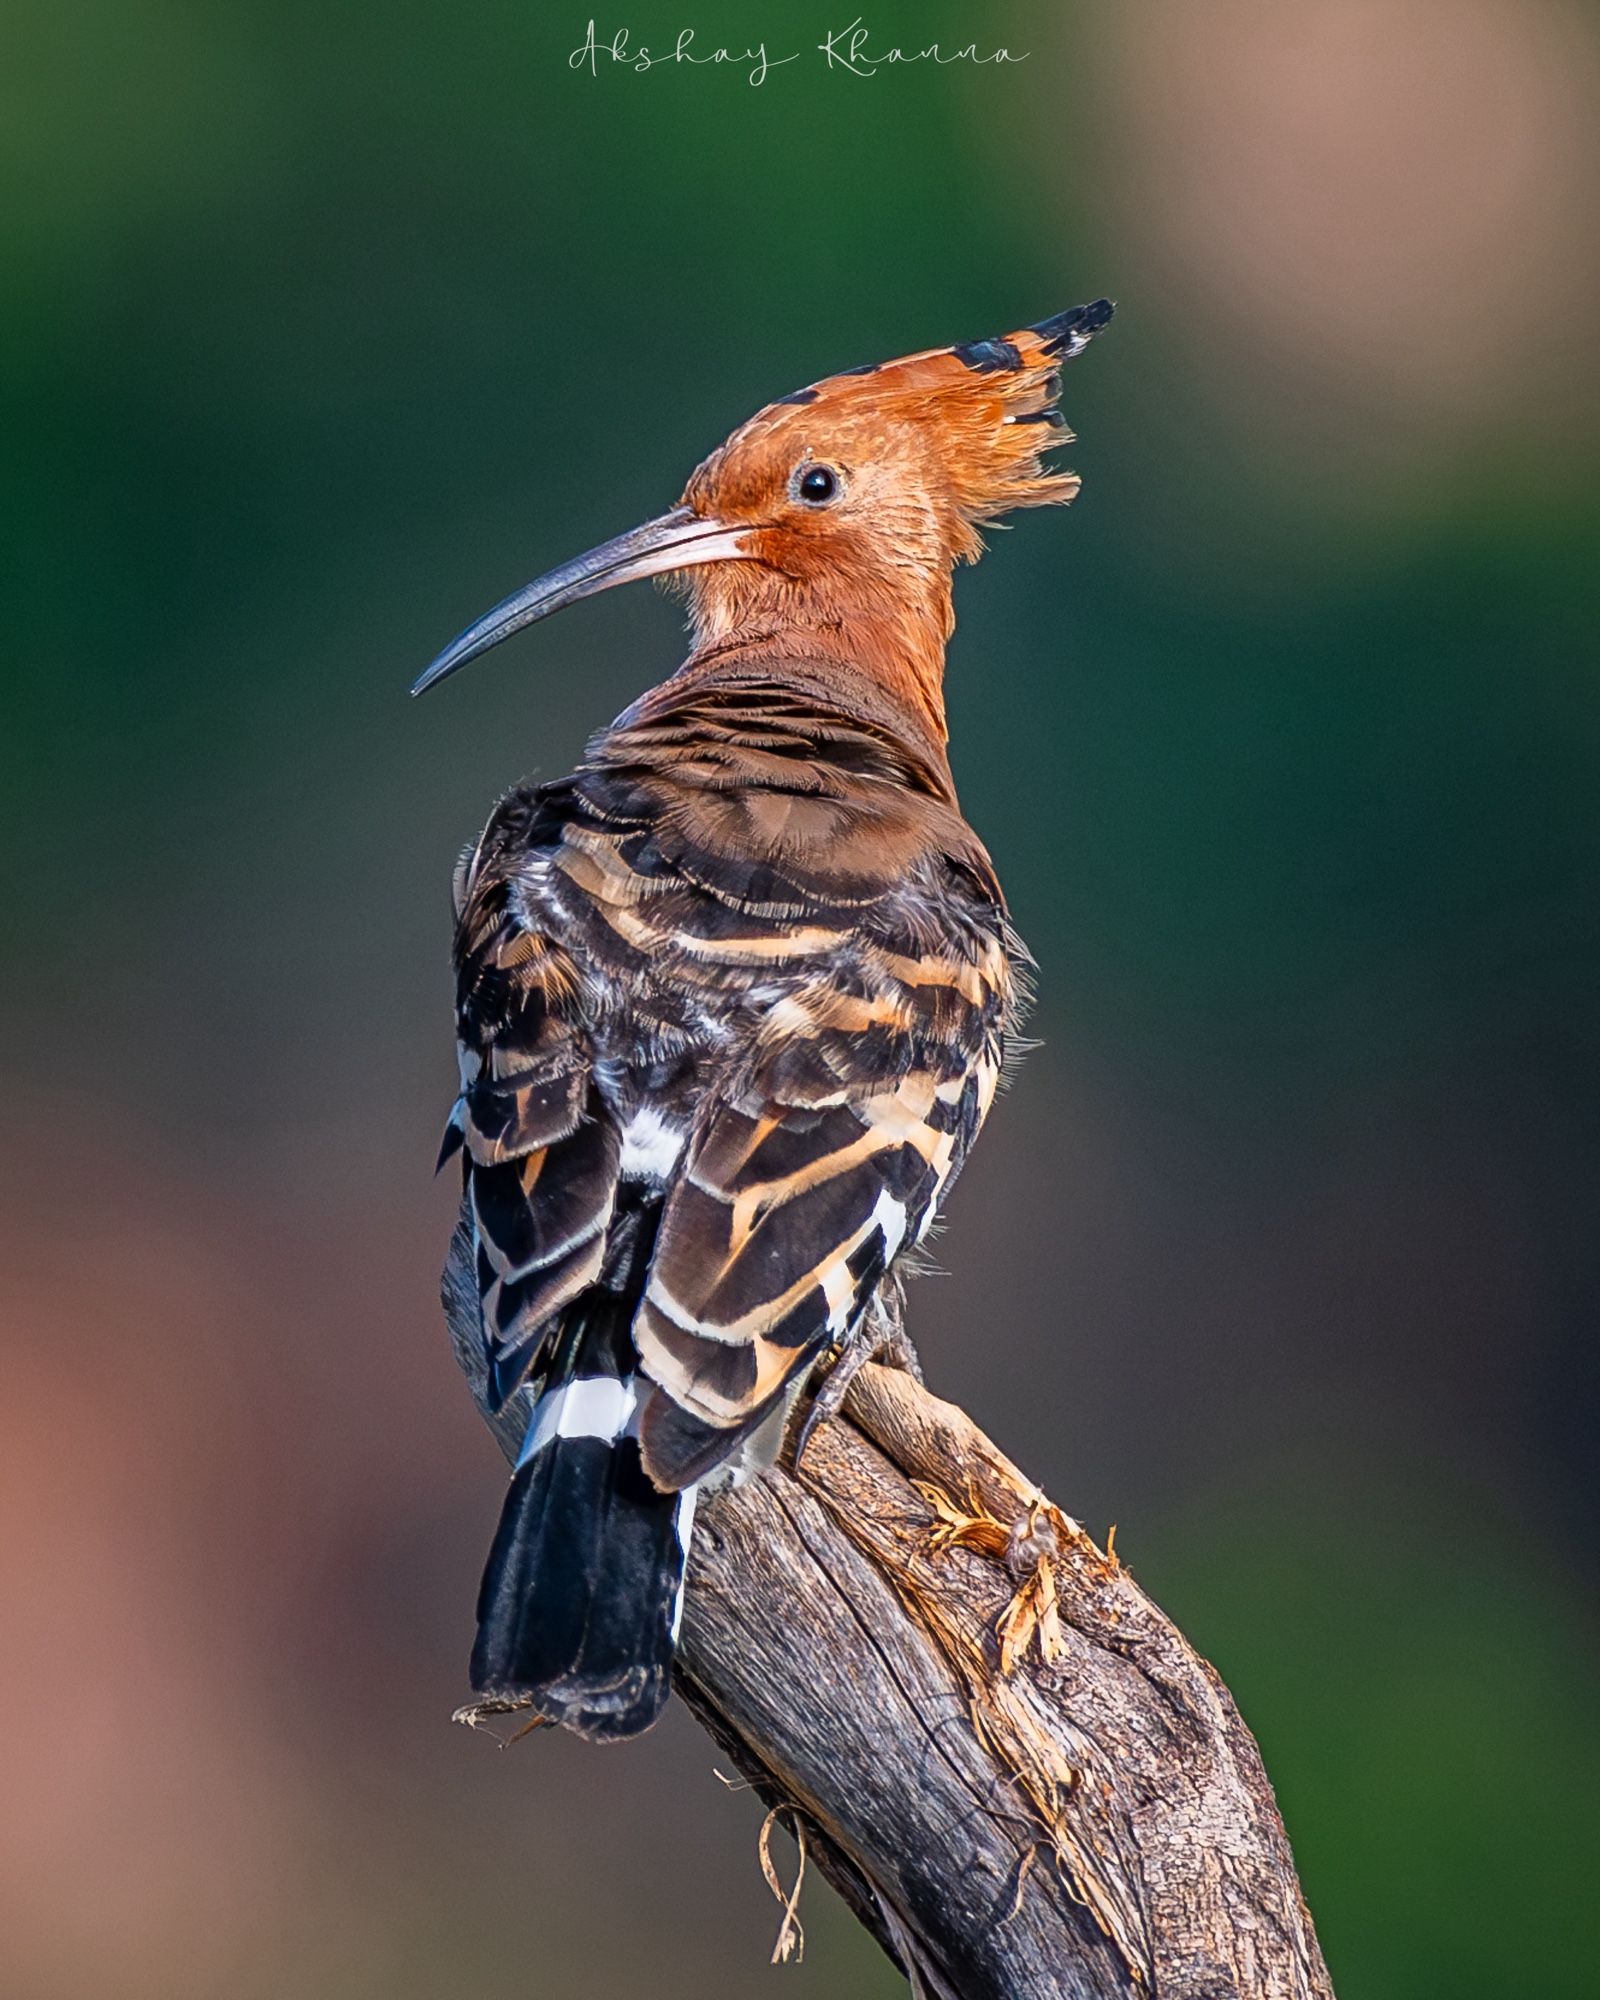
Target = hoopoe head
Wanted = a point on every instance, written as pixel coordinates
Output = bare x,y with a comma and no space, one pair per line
834,517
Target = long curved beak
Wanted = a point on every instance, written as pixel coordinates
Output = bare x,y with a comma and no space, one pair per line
679,540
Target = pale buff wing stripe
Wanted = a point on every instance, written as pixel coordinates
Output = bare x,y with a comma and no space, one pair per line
784,1225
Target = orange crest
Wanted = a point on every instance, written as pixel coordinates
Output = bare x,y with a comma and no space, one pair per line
969,424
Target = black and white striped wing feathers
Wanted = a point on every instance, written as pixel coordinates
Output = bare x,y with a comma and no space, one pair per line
542,1150
806,1179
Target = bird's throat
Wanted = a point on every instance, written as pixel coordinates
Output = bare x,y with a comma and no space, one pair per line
894,638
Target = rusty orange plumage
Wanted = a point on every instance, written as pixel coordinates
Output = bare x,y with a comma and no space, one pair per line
732,999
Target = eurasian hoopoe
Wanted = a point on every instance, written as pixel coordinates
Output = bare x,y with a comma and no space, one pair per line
732,999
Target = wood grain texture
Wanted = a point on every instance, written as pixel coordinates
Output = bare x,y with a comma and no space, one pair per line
1012,1765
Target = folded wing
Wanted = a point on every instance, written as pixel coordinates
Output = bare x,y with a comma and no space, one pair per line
867,1088
542,1149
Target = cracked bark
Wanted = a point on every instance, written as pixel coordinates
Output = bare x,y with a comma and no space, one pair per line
1094,1822
1013,1767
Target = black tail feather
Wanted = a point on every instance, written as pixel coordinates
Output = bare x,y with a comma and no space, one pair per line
578,1606
578,1599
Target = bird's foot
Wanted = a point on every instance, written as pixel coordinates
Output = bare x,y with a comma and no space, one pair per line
893,1349
896,1351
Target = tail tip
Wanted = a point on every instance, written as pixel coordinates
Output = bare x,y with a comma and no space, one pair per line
608,1711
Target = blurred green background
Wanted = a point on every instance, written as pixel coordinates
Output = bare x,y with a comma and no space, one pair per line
323,328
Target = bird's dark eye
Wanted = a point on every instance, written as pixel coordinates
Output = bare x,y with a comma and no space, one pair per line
816,484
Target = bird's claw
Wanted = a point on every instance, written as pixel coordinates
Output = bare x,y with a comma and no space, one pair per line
894,1350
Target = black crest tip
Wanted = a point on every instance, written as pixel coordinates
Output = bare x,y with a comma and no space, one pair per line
1068,333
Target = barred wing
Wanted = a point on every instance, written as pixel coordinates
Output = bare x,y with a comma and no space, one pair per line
868,1087
541,1150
